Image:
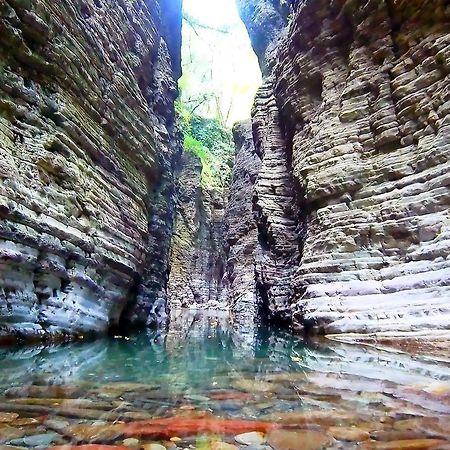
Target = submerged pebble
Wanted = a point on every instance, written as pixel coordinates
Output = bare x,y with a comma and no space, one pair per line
349,434
298,440
153,446
217,445
38,440
131,442
253,438
6,417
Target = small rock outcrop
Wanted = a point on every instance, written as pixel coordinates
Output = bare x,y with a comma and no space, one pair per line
352,197
87,150
196,255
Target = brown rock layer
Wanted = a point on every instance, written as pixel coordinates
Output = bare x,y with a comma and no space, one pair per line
360,120
86,152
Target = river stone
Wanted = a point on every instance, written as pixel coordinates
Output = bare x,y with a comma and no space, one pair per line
253,438
37,440
349,434
222,446
131,442
415,444
6,417
95,433
226,406
25,422
46,392
11,447
397,435
153,446
298,440
254,386
196,398
324,418
7,433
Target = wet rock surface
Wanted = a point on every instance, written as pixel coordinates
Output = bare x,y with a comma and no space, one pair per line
87,144
352,128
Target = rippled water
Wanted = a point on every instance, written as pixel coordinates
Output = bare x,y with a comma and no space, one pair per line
205,382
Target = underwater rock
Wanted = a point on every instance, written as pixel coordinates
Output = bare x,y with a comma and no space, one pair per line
153,446
318,417
349,434
8,433
216,445
254,386
131,443
8,417
36,440
90,447
253,438
298,440
94,433
182,426
416,444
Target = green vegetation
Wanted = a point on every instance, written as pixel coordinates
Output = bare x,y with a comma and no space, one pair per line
211,143
220,71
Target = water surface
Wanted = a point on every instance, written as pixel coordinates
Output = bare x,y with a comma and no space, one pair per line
204,382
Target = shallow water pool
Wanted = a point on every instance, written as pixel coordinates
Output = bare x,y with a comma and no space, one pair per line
211,385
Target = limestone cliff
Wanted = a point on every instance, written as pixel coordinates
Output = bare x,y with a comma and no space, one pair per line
87,148
196,256
353,127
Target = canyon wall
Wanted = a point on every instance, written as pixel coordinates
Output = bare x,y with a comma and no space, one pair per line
87,150
196,262
352,200
241,235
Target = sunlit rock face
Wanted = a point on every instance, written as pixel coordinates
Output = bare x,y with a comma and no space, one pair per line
196,253
87,143
360,103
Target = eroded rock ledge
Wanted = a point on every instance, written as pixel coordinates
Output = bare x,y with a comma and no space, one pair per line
87,147
353,129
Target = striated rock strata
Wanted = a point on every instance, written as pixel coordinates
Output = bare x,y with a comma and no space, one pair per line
87,145
241,236
196,255
354,118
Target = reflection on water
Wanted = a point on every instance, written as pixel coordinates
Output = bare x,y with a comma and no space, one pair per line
204,378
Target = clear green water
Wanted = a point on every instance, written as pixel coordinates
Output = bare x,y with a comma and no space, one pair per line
203,367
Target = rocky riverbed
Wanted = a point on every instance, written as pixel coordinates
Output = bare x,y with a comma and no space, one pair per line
198,386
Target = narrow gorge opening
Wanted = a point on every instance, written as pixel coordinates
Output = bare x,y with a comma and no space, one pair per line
265,236
220,77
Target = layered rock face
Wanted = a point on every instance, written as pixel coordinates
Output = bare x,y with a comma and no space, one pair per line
241,235
87,145
357,95
196,255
